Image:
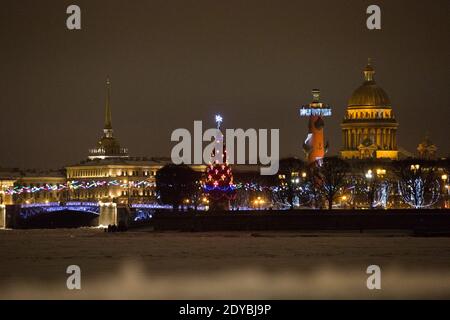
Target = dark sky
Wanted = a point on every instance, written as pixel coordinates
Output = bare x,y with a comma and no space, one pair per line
173,62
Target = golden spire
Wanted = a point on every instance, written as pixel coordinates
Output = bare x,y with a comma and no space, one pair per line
369,71
108,121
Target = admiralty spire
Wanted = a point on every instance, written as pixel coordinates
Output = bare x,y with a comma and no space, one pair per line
108,146
369,128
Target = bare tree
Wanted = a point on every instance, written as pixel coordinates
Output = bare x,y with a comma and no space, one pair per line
175,183
329,177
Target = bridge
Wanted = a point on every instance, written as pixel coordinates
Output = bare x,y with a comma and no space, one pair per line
73,214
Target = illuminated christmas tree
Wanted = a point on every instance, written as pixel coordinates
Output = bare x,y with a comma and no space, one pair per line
219,178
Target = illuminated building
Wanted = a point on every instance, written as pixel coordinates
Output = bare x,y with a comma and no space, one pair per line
110,173
6,183
369,127
314,144
31,186
427,150
123,180
108,146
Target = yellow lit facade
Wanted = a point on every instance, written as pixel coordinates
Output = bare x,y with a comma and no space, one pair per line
37,180
122,180
369,128
31,186
6,184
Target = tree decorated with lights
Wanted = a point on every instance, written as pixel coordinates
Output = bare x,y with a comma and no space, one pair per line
418,183
373,185
218,184
375,188
293,188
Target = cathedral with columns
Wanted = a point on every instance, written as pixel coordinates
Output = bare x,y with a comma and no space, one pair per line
369,127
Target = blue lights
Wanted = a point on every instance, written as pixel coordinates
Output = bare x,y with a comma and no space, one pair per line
31,210
143,215
308,111
223,189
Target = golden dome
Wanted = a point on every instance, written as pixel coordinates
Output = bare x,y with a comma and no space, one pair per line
369,93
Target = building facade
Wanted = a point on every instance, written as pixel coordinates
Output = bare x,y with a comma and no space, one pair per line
369,128
32,186
130,180
427,149
109,173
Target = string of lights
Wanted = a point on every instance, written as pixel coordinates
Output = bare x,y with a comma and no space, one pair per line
75,185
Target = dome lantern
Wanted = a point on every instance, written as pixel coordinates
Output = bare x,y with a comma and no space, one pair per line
369,94
369,72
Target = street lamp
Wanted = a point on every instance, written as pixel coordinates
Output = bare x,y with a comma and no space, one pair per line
445,189
258,202
343,200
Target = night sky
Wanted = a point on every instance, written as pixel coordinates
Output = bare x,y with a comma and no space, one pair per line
173,62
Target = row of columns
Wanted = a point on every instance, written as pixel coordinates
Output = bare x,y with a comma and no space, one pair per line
3,216
352,138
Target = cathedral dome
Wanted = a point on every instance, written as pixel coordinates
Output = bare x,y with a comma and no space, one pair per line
369,127
369,93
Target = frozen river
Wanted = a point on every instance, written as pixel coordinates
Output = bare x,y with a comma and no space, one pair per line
148,265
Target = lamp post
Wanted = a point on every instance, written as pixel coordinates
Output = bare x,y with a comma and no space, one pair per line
370,191
445,189
343,201
186,204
